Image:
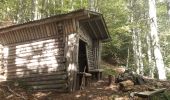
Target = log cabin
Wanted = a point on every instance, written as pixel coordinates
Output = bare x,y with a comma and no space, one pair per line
50,53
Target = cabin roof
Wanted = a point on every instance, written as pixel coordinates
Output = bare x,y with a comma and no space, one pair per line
93,21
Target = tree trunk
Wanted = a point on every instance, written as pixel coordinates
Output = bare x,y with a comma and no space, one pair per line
136,37
71,5
155,41
135,50
168,9
35,10
151,63
91,5
139,46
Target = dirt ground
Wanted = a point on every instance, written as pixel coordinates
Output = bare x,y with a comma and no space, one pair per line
98,90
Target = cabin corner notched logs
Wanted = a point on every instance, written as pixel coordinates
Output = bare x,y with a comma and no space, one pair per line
39,52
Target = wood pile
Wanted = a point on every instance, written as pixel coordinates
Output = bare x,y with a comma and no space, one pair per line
128,79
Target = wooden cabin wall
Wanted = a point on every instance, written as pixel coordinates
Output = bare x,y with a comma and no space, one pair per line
96,53
71,54
40,61
93,49
90,52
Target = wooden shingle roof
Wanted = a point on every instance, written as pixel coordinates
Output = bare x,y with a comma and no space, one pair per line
93,21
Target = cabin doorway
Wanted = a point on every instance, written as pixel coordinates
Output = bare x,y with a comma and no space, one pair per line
82,57
83,64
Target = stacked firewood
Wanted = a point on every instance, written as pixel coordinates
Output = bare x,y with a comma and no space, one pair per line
128,79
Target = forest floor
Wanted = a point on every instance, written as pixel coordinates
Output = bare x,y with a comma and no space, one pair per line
97,90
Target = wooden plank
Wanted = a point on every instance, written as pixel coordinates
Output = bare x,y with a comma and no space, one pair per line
37,46
56,28
28,34
38,31
100,31
34,62
40,78
51,29
37,66
6,38
68,26
48,30
13,36
11,40
28,74
21,34
74,25
24,69
31,33
28,55
2,39
42,31
61,27
38,51
150,93
46,82
37,75
71,26
16,35
47,42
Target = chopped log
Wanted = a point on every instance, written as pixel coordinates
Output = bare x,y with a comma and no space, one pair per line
126,85
129,75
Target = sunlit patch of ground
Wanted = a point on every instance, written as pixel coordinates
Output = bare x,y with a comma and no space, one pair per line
97,91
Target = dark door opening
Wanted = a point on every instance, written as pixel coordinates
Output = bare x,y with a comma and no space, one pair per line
82,57
83,65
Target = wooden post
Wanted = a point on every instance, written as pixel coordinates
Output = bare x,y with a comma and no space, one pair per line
1,58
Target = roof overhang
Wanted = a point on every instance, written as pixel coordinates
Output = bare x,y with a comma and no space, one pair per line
93,20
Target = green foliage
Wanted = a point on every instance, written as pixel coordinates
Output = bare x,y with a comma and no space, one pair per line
109,71
116,19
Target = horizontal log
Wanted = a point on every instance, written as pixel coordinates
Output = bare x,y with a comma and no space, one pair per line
33,75
50,82
55,86
54,49
26,49
8,69
40,77
37,63
45,39
30,71
35,54
34,59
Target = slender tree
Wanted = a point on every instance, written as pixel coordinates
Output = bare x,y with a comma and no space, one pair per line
155,41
